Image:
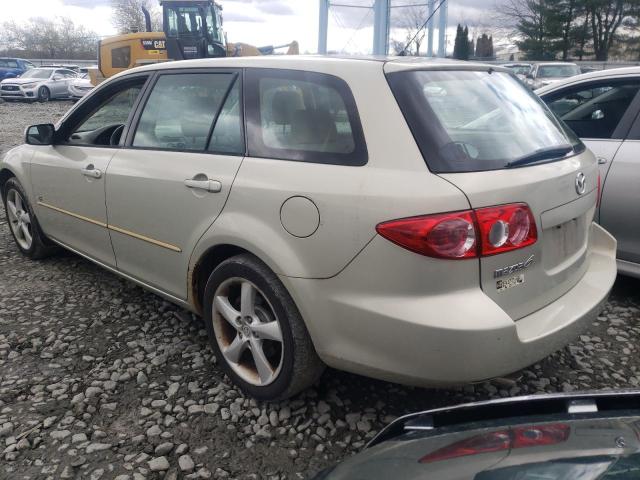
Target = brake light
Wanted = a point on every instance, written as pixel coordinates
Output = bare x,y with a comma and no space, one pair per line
466,234
485,443
599,191
519,437
538,435
449,235
505,228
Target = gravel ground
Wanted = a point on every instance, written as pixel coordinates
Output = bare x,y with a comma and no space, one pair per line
101,379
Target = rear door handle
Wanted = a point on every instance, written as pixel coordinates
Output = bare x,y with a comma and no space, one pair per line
91,171
213,186
602,160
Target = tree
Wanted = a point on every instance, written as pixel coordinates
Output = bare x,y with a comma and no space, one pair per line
127,15
412,19
606,17
461,48
49,38
484,46
537,26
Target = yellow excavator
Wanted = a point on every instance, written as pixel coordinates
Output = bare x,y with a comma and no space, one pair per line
192,29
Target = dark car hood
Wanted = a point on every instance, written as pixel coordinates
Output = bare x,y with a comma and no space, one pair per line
550,446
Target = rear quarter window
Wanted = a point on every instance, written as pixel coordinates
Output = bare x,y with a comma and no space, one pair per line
303,116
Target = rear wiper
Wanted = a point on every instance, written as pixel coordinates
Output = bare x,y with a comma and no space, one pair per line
541,155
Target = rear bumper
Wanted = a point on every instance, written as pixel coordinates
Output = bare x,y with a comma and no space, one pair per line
447,338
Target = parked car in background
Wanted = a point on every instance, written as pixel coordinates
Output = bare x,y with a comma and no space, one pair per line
603,109
38,84
13,67
80,86
521,70
550,437
543,74
468,250
585,69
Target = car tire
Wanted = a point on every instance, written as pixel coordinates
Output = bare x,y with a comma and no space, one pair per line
243,334
44,95
22,222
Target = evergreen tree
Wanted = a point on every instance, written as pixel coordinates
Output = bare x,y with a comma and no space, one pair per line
457,45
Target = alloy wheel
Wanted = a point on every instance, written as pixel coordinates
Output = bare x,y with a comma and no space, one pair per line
19,219
247,331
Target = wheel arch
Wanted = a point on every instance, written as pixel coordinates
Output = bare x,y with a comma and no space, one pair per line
5,174
206,263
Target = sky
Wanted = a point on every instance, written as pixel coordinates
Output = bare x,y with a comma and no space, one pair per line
272,22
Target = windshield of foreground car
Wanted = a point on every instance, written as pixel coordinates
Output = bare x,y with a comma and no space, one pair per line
558,71
479,120
37,73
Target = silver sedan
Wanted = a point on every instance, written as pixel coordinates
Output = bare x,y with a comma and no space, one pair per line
38,84
603,109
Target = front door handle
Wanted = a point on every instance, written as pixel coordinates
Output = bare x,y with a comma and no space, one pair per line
91,171
602,160
213,186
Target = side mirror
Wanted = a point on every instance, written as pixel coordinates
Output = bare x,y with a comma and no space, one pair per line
40,134
597,115
57,78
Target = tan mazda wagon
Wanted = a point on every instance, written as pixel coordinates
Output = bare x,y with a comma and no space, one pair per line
422,222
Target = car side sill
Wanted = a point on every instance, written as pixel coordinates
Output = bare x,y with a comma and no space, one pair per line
628,268
157,291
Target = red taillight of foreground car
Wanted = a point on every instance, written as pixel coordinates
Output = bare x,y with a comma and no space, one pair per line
467,234
599,191
519,437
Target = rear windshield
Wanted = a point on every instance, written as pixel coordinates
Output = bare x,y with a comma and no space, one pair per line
550,71
37,73
467,121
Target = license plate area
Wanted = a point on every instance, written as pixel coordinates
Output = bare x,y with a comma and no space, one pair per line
562,242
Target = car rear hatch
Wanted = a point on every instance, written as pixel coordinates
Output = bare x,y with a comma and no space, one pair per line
524,280
481,130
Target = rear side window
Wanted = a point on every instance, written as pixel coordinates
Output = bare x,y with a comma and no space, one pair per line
303,116
180,112
467,121
595,110
121,57
7,63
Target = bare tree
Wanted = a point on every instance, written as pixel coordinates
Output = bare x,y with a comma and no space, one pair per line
49,38
411,19
127,15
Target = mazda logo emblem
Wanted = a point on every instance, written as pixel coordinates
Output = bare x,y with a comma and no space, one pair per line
581,183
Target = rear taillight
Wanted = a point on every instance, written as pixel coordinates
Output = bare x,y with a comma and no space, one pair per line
467,234
502,440
599,191
449,235
505,228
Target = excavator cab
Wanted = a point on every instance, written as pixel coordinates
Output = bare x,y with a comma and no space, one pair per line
193,29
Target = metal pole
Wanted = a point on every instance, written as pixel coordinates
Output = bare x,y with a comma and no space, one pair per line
323,27
381,27
432,8
442,30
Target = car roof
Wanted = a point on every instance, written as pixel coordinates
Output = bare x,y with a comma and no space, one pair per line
585,77
556,63
310,61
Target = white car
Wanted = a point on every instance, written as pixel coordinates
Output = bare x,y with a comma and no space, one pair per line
416,221
543,74
79,87
603,109
38,84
